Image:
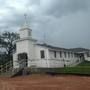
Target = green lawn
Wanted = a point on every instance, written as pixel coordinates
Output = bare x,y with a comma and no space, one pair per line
81,69
85,63
74,70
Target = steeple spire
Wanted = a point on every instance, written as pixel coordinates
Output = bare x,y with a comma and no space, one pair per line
25,31
25,25
25,15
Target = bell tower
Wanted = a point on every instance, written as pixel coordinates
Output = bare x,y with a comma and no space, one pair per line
25,45
25,31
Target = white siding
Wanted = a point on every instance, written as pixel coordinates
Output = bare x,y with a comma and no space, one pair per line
87,58
61,61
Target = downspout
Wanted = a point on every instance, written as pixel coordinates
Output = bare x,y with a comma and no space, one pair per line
47,58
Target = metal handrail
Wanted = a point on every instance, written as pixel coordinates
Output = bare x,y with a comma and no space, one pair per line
9,67
7,62
6,66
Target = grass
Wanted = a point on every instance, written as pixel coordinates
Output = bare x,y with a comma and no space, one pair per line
85,63
81,69
74,70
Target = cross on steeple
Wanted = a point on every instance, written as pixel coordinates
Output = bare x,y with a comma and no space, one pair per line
25,31
25,15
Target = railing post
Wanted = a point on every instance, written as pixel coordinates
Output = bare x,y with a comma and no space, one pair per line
6,67
1,69
10,64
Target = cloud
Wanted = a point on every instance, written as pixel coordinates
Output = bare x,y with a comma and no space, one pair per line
64,7
65,22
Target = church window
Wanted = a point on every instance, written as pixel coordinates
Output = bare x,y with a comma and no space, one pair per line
65,54
68,54
72,55
29,33
42,54
55,54
60,54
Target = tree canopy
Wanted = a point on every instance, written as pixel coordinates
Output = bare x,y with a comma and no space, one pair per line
7,43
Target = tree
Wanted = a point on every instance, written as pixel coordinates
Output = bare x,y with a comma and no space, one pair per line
7,42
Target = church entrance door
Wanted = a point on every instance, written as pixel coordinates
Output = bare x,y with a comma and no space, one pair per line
23,60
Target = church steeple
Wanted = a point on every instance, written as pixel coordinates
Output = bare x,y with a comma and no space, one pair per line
25,21
25,31
25,15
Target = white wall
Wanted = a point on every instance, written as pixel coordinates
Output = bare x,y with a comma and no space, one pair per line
87,58
47,62
15,61
24,33
37,61
60,61
25,46
22,46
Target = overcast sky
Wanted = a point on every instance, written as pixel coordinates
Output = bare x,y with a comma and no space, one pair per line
65,23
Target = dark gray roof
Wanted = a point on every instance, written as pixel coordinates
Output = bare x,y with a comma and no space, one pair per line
79,49
59,48
53,47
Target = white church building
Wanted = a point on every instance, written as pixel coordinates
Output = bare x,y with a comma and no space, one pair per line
32,54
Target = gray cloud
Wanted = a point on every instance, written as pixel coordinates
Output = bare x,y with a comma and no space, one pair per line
64,7
65,22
